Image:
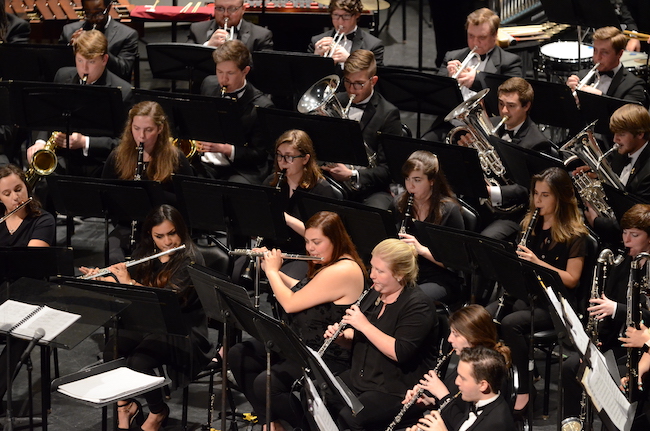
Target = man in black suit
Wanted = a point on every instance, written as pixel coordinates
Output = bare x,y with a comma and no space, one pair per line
87,153
375,115
615,80
12,28
249,163
481,372
230,12
345,15
122,40
482,26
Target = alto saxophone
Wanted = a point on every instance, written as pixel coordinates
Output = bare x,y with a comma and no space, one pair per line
43,162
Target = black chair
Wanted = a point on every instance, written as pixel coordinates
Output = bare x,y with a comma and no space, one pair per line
470,216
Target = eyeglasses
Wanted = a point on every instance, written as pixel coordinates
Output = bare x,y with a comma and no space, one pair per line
344,17
356,85
231,9
287,159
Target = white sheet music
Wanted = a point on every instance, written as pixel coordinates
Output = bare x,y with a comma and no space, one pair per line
574,325
552,297
27,318
318,410
109,386
338,387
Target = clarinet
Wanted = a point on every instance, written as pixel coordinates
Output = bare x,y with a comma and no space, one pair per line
419,393
139,169
633,318
605,260
342,325
407,215
522,242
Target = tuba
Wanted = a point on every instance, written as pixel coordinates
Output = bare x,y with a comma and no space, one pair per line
43,162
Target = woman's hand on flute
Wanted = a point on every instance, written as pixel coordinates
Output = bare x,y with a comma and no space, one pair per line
122,274
91,271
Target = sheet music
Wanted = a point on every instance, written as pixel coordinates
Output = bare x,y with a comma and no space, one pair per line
318,410
27,318
574,325
552,297
338,387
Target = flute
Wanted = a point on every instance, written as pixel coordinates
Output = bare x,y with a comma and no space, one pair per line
131,263
251,253
419,393
342,325
15,210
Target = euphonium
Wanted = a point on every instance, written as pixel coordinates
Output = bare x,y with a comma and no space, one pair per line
43,162
633,319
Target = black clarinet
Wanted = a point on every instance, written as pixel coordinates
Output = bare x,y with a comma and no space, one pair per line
633,318
407,214
139,170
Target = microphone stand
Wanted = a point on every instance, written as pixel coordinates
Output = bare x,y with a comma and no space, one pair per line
9,421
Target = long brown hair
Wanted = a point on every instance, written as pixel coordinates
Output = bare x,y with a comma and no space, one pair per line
34,207
300,141
165,158
332,226
475,324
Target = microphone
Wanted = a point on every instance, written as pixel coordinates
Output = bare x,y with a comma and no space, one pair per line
38,334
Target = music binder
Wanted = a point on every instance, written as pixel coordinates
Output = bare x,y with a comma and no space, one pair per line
21,320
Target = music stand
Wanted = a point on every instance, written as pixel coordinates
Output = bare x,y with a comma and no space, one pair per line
204,118
35,262
585,13
555,105
335,139
33,62
460,164
181,61
288,73
600,107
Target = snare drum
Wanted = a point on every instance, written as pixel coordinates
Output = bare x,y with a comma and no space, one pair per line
563,56
635,62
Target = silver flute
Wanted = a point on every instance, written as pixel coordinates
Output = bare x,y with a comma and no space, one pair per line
131,263
251,253
342,325
419,393
15,210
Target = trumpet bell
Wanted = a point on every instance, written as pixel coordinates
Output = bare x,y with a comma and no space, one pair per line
320,98
44,162
187,146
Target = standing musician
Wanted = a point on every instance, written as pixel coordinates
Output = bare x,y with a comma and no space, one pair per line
434,202
393,345
122,40
345,16
163,229
29,227
481,372
375,115
87,153
481,26
146,125
615,80
230,13
610,309
250,163
311,304
558,243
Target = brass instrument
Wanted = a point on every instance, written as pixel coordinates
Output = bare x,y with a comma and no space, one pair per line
84,80
342,325
633,319
419,393
407,215
105,271
43,162
231,31
187,146
465,62
522,242
584,81
224,88
15,210
251,253
336,41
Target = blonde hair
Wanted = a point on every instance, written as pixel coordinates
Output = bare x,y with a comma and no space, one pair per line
89,44
631,118
481,16
401,258
619,41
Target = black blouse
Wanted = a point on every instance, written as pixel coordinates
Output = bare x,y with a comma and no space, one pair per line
40,227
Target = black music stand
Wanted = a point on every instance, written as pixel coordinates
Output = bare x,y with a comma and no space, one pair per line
181,61
94,308
35,262
585,13
204,118
460,164
600,107
555,105
620,200
367,226
335,139
419,92
288,73
33,62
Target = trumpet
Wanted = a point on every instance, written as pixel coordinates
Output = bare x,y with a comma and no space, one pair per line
342,325
251,253
15,210
231,31
104,271
587,78
338,38
465,62
419,393
43,162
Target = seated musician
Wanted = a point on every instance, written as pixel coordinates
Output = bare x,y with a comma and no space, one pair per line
482,26
557,242
12,28
609,311
230,13
249,163
30,226
122,39
631,127
345,16
163,229
148,125
310,304
88,153
393,343
481,372
615,80
375,115
434,202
